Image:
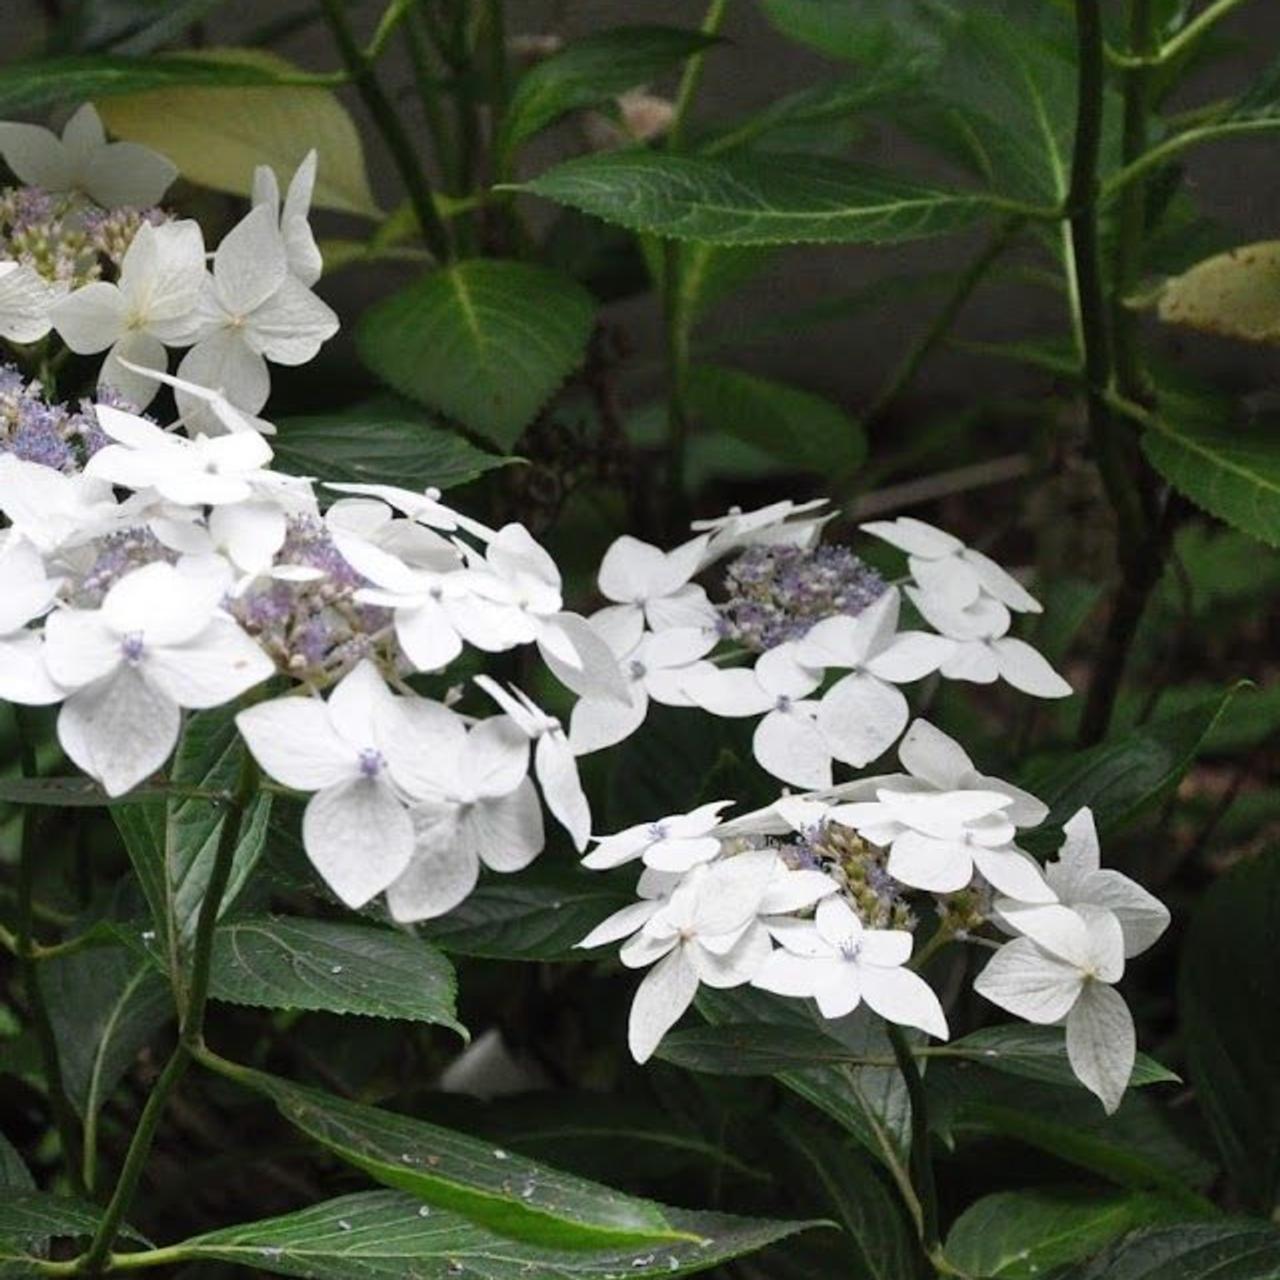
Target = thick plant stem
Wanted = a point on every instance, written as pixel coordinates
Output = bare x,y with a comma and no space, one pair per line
677,320
28,953
385,116
190,1033
1115,448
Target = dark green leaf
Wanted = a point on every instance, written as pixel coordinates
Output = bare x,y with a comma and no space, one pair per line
105,1006
879,1241
14,1174
1125,777
592,70
172,846
72,792
541,914
502,1191
1228,467
1239,1250
859,32
382,447
1040,1053
752,1049
382,1235
486,341
30,1219
1019,1235
792,199
283,963
24,86
800,429
1230,1001
870,1102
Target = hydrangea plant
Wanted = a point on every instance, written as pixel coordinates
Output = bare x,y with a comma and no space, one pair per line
294,733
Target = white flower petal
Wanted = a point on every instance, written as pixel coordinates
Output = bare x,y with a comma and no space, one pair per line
210,669
507,832
359,837
442,872
37,156
79,647
224,363
632,570
26,303
621,924
903,997
1011,872
789,974
911,655
913,536
561,787
789,745
249,265
861,716
929,754
596,723
998,582
91,318
1142,916
294,740
1029,983
119,729
24,677
971,660
1028,670
736,966
728,692
660,1001
142,351
925,862
290,327
1101,1043
127,174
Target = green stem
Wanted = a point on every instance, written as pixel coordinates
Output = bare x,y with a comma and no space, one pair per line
1198,27
677,318
190,1034
1180,142
966,282
26,947
385,116
425,80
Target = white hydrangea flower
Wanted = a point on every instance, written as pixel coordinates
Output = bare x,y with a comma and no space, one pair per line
936,840
553,759
949,571
26,594
863,713
839,963
980,649
158,644
475,806
678,842
1063,971
771,525
27,301
199,471
356,827
301,251
1080,881
52,511
787,742
251,310
654,665
654,585
709,930
152,306
112,174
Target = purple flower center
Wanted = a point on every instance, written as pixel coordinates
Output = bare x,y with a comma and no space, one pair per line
131,646
637,670
850,948
371,762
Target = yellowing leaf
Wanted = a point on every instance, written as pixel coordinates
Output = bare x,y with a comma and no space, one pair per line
216,136
1235,295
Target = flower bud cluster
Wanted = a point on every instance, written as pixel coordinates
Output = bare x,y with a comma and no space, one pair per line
54,435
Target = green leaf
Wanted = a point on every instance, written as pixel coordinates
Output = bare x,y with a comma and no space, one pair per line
751,1049
172,845
541,914
14,1174
1124,777
508,1193
281,963
383,1235
870,1102
793,199
486,341
218,136
878,1239
1230,1003
1233,1250
1040,1053
1137,1147
1228,467
25,86
592,70
1234,295
859,32
73,792
391,446
1019,1235
803,430
105,1006
30,1219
